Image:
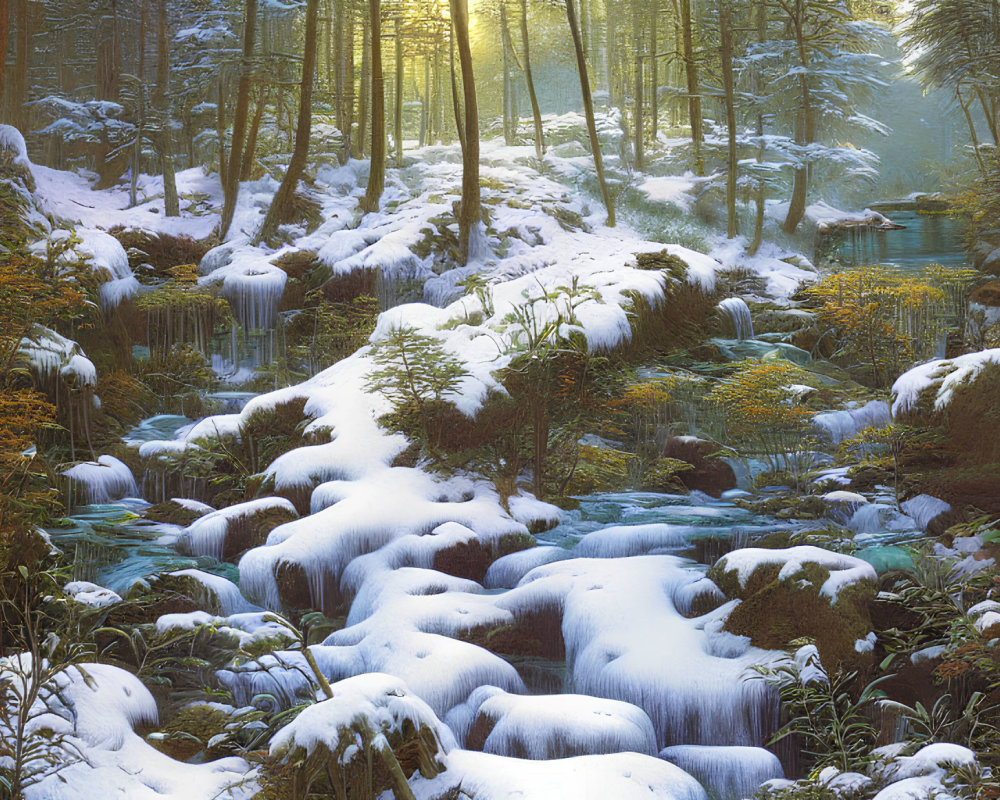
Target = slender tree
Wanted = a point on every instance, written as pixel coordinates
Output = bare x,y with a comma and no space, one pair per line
470,212
281,205
171,204
693,85
232,181
4,31
588,108
376,172
729,100
397,134
536,114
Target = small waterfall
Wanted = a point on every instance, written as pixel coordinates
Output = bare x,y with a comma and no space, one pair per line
738,313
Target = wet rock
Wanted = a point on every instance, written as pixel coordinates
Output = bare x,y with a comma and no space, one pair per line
708,474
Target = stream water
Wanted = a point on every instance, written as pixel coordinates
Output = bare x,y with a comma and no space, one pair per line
926,239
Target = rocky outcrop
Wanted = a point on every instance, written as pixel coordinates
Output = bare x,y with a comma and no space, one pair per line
801,592
708,474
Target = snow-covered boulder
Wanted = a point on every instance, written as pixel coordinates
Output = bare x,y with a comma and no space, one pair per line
800,591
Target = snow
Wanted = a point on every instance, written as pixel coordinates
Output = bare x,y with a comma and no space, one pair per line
623,776
943,376
68,196
90,594
728,773
923,509
844,570
12,142
221,594
101,481
206,536
670,189
104,705
49,353
848,423
371,704
251,284
559,726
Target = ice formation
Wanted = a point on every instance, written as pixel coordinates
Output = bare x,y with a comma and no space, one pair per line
738,313
849,422
50,354
206,536
727,773
101,481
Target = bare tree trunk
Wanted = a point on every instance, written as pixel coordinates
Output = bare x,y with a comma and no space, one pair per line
535,112
456,103
805,125
250,151
141,102
693,86
640,155
171,204
588,107
470,213
365,86
19,86
398,132
425,105
376,172
654,71
508,105
231,187
4,34
729,94
282,203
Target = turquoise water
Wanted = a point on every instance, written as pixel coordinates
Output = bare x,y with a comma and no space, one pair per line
112,546
926,239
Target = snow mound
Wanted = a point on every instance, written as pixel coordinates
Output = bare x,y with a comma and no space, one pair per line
101,481
942,376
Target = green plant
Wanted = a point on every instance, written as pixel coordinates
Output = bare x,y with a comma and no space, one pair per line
415,373
825,714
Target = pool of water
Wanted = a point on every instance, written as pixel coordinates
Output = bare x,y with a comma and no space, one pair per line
926,239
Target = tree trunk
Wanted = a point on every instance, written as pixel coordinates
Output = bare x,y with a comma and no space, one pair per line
640,156
171,204
398,132
536,114
588,107
805,126
19,86
693,86
654,72
729,95
425,100
456,102
281,205
508,115
231,187
4,32
141,107
376,173
365,86
250,151
470,213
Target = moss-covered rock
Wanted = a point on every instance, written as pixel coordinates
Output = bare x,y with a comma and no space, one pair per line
707,474
801,592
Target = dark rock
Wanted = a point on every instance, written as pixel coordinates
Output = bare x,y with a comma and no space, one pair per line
710,475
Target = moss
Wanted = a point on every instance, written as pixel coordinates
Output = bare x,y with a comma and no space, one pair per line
188,733
774,612
171,512
674,266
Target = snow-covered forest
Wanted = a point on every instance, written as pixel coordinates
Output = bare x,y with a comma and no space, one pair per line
499,399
